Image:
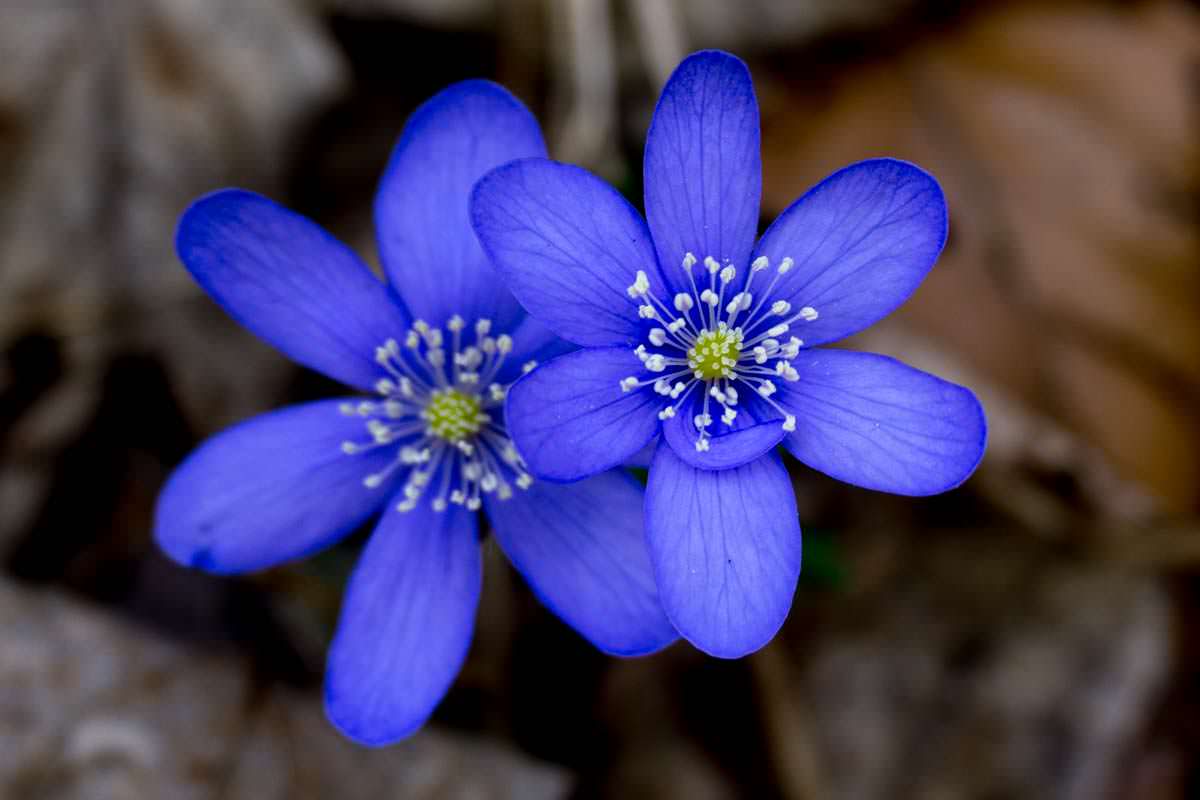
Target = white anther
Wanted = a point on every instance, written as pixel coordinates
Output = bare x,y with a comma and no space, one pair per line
528,366
384,386
760,263
662,386
421,326
778,330
656,363
785,266
393,409
489,482
349,448
647,312
406,388
710,297
496,392
677,325
504,491
436,357
731,395
373,481
346,409
455,323
715,391
808,314
728,274
711,264
409,505
678,389
760,354
702,444
766,389
524,481
702,421
789,423
440,505
689,261
729,416
657,337
504,344
640,286
487,344
629,384
474,504
640,352
780,307
683,302
412,341
667,413
433,338
483,327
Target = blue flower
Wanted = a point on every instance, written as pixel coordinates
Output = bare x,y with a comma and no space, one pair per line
438,345
693,331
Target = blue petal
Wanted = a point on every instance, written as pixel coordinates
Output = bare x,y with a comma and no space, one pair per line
583,551
862,240
569,418
703,173
568,246
875,422
532,341
744,441
725,548
271,489
406,623
290,282
421,210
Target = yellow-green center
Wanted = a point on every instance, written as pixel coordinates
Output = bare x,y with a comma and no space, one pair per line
715,353
452,415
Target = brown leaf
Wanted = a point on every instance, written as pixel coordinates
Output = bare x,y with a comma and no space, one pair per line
1065,137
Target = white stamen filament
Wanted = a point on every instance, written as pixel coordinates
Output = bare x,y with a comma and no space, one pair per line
725,342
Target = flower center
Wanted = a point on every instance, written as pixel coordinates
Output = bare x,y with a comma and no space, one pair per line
452,415
440,410
715,353
719,339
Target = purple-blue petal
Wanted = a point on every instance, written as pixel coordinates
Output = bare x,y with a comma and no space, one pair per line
731,446
583,551
725,546
568,246
862,240
289,282
406,623
272,489
532,341
703,172
569,418
874,422
426,243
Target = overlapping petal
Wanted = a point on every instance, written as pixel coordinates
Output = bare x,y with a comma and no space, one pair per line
569,418
406,623
703,172
289,282
725,548
583,551
568,246
872,421
861,240
421,209
749,436
532,342
274,488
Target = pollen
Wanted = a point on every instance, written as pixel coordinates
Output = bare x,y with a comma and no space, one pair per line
715,353
453,415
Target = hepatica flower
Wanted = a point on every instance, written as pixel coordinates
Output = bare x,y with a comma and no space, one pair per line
438,347
694,334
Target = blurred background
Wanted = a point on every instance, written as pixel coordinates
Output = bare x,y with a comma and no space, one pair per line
1034,634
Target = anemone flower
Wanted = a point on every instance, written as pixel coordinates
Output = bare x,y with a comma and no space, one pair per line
697,337
438,346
